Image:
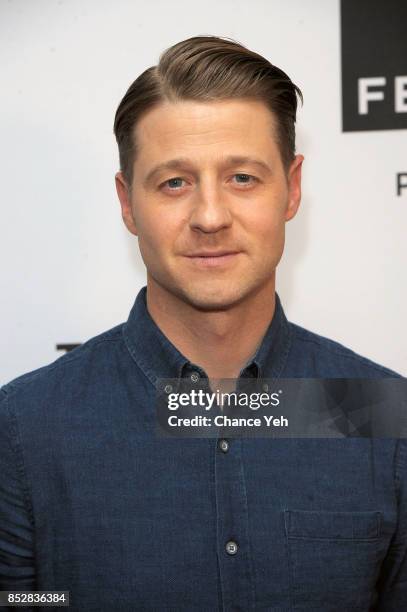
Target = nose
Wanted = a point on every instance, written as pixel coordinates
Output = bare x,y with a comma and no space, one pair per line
210,212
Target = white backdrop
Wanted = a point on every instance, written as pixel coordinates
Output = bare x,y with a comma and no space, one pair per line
70,269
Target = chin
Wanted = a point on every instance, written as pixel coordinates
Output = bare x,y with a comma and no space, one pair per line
211,295
212,299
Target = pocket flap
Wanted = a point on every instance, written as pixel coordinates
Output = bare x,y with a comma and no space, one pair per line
332,525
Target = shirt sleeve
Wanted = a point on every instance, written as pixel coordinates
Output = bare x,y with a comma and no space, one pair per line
392,585
17,567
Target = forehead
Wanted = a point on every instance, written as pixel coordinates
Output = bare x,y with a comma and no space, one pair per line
204,131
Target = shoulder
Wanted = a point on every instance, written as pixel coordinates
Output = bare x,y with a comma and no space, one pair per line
325,357
68,369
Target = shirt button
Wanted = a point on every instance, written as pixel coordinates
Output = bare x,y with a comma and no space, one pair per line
195,377
224,445
168,388
231,547
265,387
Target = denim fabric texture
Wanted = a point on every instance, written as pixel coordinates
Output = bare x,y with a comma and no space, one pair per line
93,502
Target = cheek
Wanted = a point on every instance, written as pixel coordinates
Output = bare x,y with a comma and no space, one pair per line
267,211
268,225
158,232
267,237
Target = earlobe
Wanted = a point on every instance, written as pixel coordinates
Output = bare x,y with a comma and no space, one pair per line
124,196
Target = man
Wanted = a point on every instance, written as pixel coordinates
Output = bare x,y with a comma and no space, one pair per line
92,500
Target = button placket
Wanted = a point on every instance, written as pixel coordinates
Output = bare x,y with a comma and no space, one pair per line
235,561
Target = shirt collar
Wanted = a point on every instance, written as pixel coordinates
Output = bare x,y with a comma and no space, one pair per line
158,358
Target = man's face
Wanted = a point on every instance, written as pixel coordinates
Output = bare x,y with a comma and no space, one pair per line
220,189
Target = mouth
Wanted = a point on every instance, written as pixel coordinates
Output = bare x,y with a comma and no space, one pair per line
212,260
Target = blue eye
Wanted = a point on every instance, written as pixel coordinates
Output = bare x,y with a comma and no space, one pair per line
247,178
174,182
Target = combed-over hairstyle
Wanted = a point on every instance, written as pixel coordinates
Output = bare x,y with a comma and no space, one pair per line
206,68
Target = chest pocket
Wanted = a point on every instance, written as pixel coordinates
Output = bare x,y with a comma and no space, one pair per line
333,558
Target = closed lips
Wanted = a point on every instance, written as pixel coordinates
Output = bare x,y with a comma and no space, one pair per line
214,254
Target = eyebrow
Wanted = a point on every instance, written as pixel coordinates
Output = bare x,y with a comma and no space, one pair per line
181,162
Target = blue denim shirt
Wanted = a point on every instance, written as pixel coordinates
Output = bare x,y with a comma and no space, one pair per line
94,502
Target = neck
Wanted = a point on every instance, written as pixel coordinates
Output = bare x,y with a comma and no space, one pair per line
220,342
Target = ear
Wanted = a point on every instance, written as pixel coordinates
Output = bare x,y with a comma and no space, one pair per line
123,192
294,187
